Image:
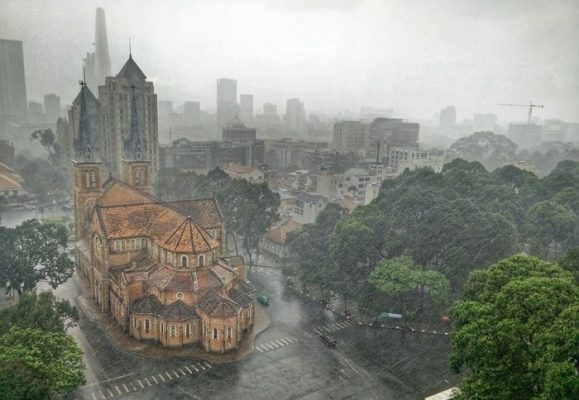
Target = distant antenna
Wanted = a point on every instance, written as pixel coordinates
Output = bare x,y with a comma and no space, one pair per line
378,152
130,50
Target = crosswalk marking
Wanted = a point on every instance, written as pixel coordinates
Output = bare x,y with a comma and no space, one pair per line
110,393
259,349
161,376
176,374
280,343
192,366
102,395
188,370
183,372
94,396
207,364
155,379
141,384
126,388
283,341
201,366
118,390
168,375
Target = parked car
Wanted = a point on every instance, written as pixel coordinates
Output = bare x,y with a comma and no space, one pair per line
263,300
329,341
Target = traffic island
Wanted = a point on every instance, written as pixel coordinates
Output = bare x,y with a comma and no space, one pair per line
154,350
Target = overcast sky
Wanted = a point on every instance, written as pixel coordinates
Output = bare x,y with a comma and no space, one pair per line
414,56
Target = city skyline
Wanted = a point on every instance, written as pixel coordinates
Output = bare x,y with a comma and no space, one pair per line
472,56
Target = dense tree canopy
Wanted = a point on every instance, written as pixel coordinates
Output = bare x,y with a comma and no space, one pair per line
516,332
450,222
53,358
486,147
42,311
33,252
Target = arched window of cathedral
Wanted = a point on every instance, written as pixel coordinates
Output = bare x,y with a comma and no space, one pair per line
214,333
173,330
188,330
147,325
201,260
87,179
184,261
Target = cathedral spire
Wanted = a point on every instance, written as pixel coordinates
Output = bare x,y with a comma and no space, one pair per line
84,147
134,144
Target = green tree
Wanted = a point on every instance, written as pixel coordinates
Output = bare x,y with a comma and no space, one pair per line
505,332
42,311
33,252
53,356
41,178
20,381
570,262
550,229
407,287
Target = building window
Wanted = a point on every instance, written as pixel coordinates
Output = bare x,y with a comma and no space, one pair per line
201,260
229,334
147,325
134,322
184,261
214,333
162,328
173,330
188,330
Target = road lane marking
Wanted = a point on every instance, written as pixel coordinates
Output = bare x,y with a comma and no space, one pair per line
94,396
207,364
342,325
260,350
126,388
118,390
188,370
142,387
161,376
110,393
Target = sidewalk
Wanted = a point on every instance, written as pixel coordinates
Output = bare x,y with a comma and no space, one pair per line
155,350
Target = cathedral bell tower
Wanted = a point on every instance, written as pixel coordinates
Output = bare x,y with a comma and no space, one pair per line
87,172
136,165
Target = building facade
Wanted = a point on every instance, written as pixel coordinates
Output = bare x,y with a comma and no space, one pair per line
13,100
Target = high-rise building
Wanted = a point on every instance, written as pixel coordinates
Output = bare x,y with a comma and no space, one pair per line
89,71
484,122
384,133
102,56
226,101
525,135
349,136
246,108
52,107
191,113
270,109
119,97
554,130
447,117
295,115
35,109
13,102
246,149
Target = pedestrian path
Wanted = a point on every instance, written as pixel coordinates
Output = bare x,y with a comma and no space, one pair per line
276,344
337,326
122,385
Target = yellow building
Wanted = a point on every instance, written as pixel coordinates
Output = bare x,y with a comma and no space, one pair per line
158,268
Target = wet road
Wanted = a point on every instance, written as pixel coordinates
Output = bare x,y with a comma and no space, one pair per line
290,362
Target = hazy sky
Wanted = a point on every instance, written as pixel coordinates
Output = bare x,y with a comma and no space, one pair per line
414,56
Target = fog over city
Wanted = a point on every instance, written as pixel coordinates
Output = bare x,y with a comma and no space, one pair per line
301,199
413,56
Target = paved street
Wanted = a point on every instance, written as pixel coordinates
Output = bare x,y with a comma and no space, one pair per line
290,362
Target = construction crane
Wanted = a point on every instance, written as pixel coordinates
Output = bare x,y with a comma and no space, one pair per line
530,105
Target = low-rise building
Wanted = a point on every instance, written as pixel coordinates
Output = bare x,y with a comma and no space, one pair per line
274,241
237,171
400,159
